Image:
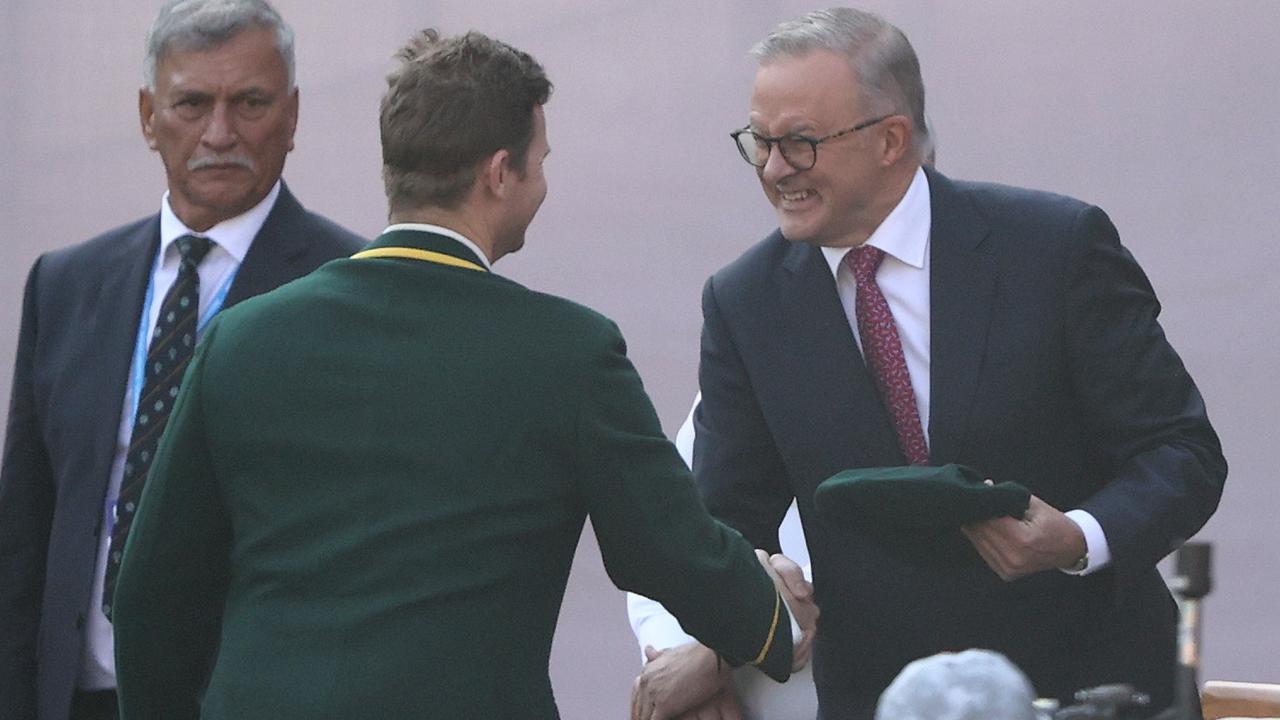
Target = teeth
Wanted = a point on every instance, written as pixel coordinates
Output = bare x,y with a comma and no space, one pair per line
795,195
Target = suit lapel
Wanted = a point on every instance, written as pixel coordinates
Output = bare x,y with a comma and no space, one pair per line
124,274
962,286
838,398
277,252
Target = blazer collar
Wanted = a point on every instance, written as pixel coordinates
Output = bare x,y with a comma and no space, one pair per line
423,240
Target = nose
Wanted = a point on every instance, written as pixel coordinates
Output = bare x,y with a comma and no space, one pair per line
776,167
220,132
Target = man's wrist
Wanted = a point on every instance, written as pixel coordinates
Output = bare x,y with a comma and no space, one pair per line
1079,566
1094,554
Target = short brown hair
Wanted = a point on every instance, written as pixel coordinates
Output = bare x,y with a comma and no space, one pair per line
453,102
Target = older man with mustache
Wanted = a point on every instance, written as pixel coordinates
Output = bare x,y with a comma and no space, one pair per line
107,329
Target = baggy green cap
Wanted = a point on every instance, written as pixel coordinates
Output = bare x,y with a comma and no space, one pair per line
916,496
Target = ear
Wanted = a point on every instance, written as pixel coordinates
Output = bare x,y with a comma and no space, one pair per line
291,108
147,115
497,173
896,139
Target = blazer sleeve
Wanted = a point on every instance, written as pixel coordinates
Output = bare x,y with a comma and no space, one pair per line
655,537
173,578
736,463
26,517
1142,408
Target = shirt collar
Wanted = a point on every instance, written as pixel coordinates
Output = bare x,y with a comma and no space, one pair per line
233,235
452,234
904,234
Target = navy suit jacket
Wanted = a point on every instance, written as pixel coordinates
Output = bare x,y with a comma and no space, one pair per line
79,323
1048,367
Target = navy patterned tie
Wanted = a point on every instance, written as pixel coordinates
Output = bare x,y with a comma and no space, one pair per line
170,351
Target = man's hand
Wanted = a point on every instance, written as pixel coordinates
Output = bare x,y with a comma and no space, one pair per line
1044,539
798,593
678,680
722,706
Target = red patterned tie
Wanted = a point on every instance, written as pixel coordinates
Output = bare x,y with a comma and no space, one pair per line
882,351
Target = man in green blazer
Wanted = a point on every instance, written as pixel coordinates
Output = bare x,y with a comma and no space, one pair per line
370,492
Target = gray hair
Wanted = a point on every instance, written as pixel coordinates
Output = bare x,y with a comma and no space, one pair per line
882,59
192,25
972,685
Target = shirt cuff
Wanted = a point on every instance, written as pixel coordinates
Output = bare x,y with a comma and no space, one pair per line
653,625
1095,541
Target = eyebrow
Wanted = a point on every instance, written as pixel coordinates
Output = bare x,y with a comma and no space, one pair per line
801,128
253,92
198,92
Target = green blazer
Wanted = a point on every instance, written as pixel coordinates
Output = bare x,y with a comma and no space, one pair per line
369,496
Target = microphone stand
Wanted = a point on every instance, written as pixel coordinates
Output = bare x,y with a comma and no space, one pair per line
1192,583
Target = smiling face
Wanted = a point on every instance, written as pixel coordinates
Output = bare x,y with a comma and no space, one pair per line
841,200
222,120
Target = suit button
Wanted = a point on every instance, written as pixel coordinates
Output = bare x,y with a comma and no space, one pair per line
80,621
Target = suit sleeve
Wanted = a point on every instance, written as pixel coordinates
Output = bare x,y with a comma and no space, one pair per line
655,537
26,516
1143,408
173,579
735,461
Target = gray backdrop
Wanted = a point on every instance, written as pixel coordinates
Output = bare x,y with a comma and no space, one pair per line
1162,112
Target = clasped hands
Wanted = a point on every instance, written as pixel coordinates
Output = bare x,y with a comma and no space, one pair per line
689,682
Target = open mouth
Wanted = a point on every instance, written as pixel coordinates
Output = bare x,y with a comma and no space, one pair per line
796,195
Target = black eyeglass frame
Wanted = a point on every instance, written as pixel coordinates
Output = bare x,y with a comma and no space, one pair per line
769,142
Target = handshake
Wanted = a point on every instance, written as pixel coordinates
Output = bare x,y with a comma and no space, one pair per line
691,682
789,579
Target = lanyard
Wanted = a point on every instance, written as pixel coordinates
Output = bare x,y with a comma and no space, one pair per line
416,254
137,368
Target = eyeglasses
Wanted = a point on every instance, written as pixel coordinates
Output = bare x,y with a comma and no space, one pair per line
800,151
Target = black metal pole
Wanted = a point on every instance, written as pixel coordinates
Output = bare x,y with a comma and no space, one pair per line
1192,583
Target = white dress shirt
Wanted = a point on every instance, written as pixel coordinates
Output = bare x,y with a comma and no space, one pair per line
439,230
904,281
231,240
903,278
759,697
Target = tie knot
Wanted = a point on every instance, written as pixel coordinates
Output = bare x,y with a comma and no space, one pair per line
192,249
864,261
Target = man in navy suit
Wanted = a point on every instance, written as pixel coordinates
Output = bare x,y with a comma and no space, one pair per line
220,106
1004,329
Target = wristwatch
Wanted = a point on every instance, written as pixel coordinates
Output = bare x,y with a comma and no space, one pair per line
1080,565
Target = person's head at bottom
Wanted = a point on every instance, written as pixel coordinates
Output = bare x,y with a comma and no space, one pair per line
970,685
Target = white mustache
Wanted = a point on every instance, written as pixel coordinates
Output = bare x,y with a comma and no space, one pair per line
214,160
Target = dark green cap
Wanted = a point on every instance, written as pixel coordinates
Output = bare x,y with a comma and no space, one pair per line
916,496
914,513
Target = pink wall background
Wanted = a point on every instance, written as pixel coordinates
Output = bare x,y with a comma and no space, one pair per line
1162,112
